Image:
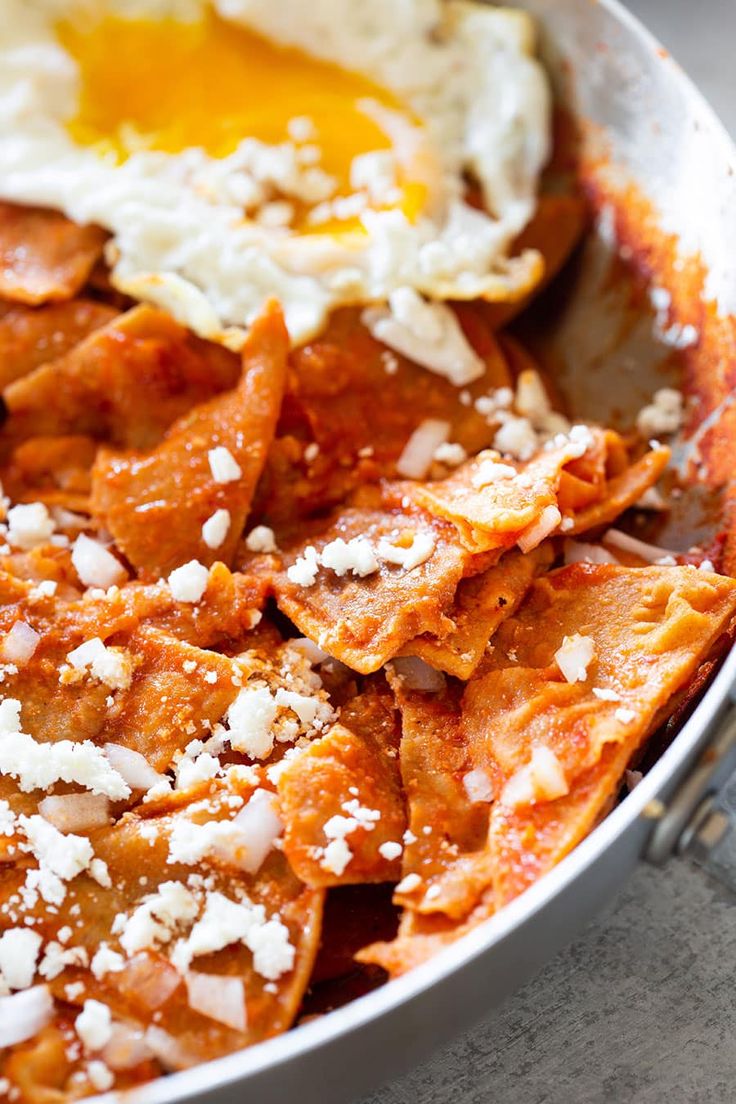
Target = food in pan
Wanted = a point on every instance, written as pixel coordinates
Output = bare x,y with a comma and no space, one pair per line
321,638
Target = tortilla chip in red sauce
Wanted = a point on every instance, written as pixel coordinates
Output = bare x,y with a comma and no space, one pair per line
354,764
136,851
32,336
43,256
125,383
365,621
650,629
481,605
155,503
357,403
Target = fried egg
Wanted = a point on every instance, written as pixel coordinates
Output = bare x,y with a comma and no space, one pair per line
320,153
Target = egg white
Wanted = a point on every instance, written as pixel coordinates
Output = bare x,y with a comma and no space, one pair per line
179,238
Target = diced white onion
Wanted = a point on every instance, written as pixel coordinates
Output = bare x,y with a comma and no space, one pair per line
77,812
519,790
649,552
534,534
579,552
311,651
416,459
261,825
542,779
171,1053
24,1014
133,767
548,777
20,643
418,675
574,656
220,998
478,786
126,1047
152,983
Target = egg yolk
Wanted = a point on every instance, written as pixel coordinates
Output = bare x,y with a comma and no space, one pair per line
168,86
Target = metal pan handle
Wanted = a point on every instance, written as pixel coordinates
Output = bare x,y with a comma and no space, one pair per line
700,819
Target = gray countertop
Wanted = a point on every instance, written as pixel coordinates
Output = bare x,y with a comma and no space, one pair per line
641,1009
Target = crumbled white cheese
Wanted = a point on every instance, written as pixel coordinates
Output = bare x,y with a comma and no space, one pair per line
305,707
199,769
56,958
356,556
603,694
336,857
450,454
426,332
100,1076
106,961
224,922
45,589
95,565
216,528
249,721
19,948
189,582
94,1025
156,919
223,465
390,850
516,438
29,525
625,716
64,854
418,552
663,415
491,471
304,570
409,883
39,766
112,666
574,656
261,539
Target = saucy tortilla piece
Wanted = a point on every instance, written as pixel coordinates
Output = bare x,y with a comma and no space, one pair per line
52,470
32,336
492,502
175,898
630,639
177,694
341,798
575,485
224,616
481,604
355,404
445,863
43,256
47,1070
364,620
420,937
155,503
621,492
125,383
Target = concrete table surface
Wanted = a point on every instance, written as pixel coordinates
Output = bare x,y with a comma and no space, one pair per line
641,1009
